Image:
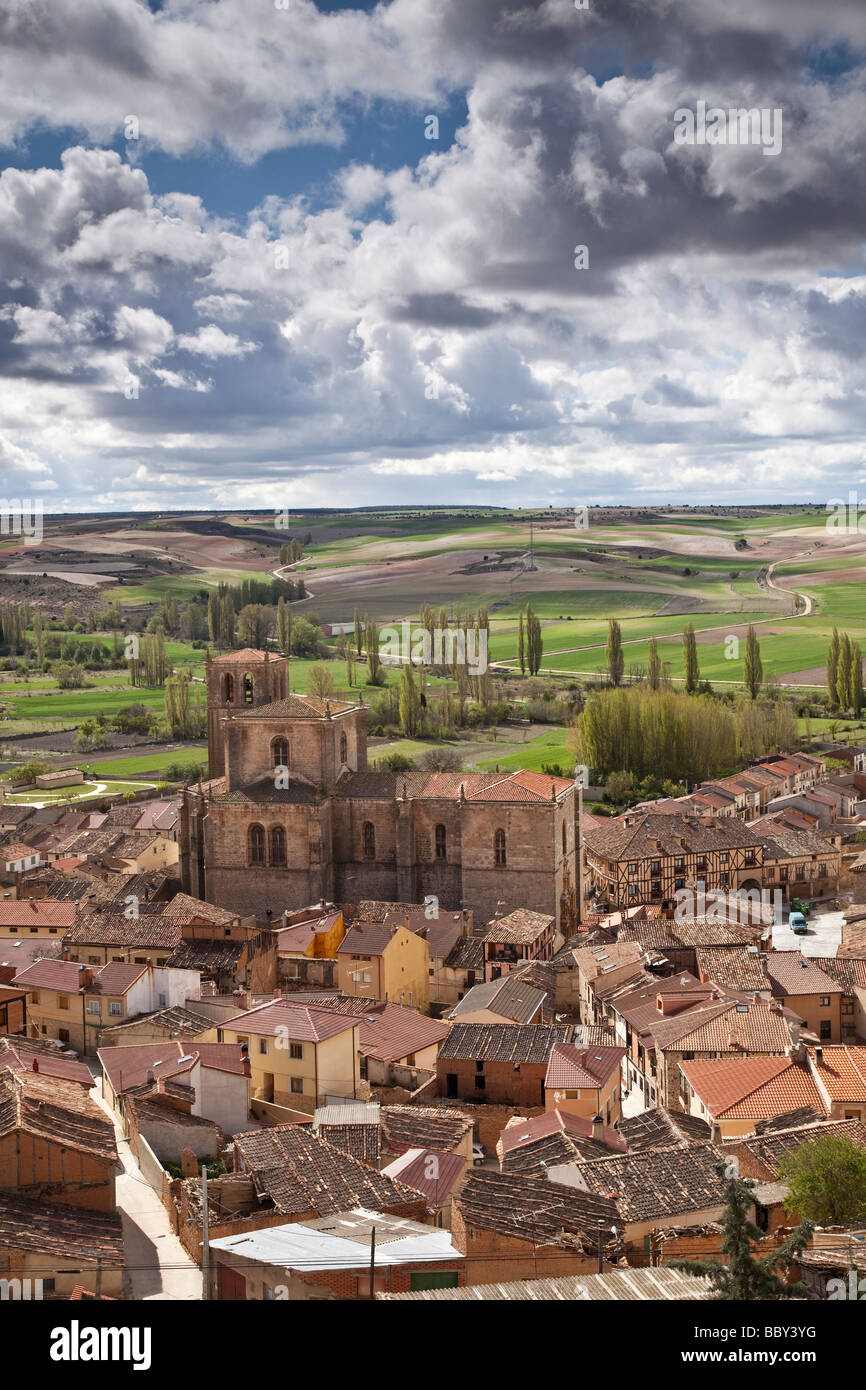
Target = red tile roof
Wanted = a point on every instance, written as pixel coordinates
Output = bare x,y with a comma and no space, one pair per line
298,1022
751,1088
66,976
842,1072
582,1068
37,912
429,1171
127,1066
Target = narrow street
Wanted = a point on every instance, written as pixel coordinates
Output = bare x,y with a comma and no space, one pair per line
157,1266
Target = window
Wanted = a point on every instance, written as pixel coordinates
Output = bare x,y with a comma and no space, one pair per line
297,1085
115,1008
344,749
248,689
63,1035
280,752
440,841
296,1051
34,997
824,1001
278,845
263,1045
632,869
93,1006
63,1001
655,867
632,890
229,690
480,1083
678,863
679,883
499,849
369,840
826,1030
257,844
564,851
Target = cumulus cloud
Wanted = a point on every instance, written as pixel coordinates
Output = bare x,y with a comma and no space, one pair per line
429,320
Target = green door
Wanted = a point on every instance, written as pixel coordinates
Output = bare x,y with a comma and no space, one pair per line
445,1279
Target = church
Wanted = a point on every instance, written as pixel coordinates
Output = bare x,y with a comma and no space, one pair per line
291,814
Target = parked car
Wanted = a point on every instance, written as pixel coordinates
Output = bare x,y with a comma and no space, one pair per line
797,923
797,905
479,1153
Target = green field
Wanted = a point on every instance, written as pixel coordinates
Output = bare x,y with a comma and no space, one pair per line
84,791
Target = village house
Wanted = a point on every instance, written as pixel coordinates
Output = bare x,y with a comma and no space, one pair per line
162,1025
839,1073
43,1058
650,857
717,1029
585,1081
329,1258
13,1010
803,987
385,962
394,1043
731,1095
42,917
431,1127
15,858
506,1000
516,939
512,1226
75,1002
622,1285
502,1064
799,863
60,1245
102,937
534,1145
56,1144
850,973
435,1174
762,1155
299,1055
218,1074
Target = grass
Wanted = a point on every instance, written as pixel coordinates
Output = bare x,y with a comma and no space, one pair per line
82,792
148,762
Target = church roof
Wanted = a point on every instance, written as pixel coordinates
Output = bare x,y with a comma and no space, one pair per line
245,654
297,707
447,786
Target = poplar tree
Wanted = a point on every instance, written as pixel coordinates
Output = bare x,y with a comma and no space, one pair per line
410,703
358,630
833,666
614,652
690,659
753,670
521,649
843,673
284,626
372,644
654,666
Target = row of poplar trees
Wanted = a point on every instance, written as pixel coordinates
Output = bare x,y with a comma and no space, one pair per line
656,677
845,673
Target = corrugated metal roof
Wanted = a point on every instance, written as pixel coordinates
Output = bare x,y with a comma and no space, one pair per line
632,1285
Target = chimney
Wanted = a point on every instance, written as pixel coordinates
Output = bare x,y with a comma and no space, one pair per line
598,1128
35,1063
151,1076
247,1064
819,1056
278,993
85,977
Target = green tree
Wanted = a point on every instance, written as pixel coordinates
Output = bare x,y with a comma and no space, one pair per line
746,1277
372,643
284,626
832,666
654,666
534,643
827,1181
409,703
358,630
690,659
320,682
753,670
856,679
614,652
618,786
521,647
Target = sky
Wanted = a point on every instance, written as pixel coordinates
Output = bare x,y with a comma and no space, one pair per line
278,253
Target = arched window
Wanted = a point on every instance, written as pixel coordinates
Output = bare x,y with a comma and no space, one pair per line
499,847
257,844
278,845
440,841
344,749
369,840
280,751
248,689
563,840
229,689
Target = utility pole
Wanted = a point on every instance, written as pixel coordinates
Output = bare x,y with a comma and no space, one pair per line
205,1237
372,1260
